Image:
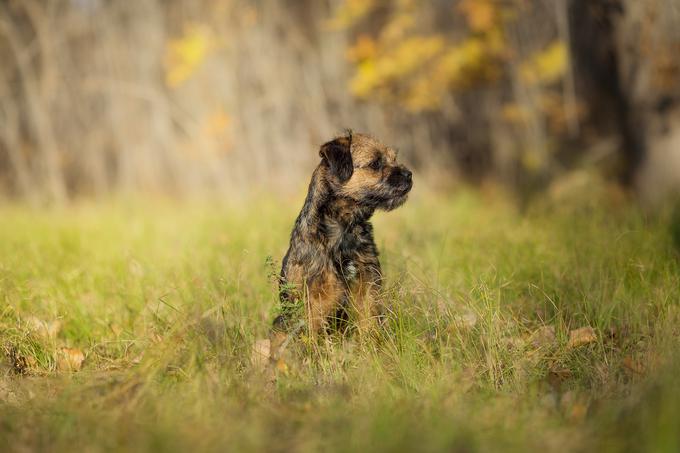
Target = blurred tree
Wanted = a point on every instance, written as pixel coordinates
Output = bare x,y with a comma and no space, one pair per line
626,55
105,95
464,57
505,67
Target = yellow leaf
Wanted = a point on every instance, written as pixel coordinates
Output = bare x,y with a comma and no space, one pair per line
546,66
514,113
481,15
408,57
350,12
69,359
532,160
185,54
281,366
464,60
261,353
45,329
398,27
581,337
363,49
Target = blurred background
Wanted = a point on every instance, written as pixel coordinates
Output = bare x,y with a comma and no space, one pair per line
188,97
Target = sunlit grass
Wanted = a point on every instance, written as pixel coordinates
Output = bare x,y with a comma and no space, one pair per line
167,299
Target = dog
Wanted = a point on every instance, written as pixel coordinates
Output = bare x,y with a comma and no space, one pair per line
332,267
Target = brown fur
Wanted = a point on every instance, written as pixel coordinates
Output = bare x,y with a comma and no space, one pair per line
332,264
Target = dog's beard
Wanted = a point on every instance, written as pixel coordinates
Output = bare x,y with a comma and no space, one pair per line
387,200
394,202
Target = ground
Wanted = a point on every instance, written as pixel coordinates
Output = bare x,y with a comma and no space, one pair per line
131,325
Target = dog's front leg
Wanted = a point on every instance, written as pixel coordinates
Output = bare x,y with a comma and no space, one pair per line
365,304
323,299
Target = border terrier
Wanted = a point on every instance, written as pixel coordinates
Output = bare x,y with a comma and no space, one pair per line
331,268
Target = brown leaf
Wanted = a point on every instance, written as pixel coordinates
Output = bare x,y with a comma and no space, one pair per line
261,353
581,337
612,333
7,393
466,320
557,375
513,343
633,365
21,364
543,337
574,407
281,366
70,359
45,329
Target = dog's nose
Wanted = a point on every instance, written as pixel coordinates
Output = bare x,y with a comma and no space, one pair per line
407,174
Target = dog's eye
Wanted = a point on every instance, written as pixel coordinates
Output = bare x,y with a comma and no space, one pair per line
376,164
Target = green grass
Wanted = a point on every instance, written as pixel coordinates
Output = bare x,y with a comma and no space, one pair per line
167,300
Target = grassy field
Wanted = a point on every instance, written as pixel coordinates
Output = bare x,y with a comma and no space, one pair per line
480,351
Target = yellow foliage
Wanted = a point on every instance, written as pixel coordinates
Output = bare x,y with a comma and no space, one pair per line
350,12
463,61
549,107
481,15
398,27
546,66
408,57
514,113
424,94
363,49
185,54
418,70
457,68
532,160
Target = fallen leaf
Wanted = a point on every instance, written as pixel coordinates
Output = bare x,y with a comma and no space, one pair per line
612,332
468,379
580,337
21,364
557,375
7,394
70,359
574,407
578,411
543,337
43,328
137,359
116,329
282,366
549,401
513,343
526,365
633,365
261,352
466,320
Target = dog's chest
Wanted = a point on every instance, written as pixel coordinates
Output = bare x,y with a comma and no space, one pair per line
350,270
347,251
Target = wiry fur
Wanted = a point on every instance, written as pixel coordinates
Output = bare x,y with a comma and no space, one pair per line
332,263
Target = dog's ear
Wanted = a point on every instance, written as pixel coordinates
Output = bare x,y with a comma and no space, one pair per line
337,155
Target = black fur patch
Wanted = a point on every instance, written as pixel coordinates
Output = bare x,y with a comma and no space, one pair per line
338,157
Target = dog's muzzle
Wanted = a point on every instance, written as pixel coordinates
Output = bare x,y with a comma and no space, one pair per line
401,179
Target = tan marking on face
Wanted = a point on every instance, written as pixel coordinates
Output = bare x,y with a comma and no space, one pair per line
362,179
365,150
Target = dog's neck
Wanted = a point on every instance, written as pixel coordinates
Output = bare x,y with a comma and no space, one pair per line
323,207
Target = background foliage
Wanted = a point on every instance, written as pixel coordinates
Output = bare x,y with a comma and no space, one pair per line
154,154
181,97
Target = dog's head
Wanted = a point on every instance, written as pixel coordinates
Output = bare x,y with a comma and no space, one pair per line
366,171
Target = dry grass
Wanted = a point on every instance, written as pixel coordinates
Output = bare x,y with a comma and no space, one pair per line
166,301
